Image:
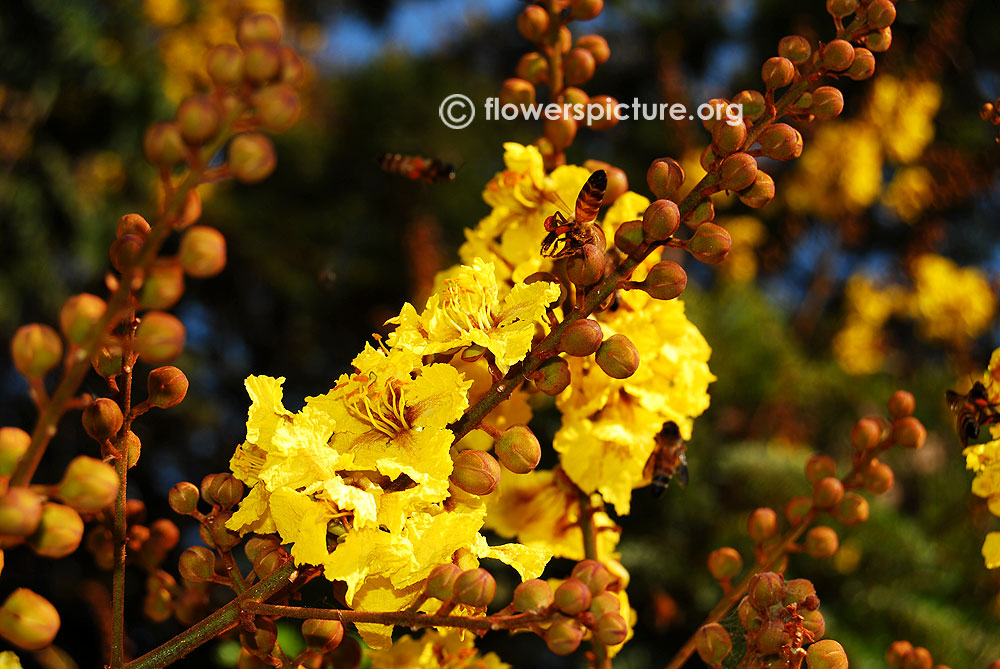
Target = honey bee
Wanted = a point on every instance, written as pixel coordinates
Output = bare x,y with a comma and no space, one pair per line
567,236
972,411
416,168
668,460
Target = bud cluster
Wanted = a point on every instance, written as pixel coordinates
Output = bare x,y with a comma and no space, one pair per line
904,654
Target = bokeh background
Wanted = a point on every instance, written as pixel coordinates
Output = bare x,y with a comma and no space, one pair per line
875,268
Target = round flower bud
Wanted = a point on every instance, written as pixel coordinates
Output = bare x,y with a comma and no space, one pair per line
167,387
664,177
441,582
107,360
897,653
292,68
596,45
191,211
262,62
183,498
797,590
125,251
564,636
703,213
760,193
710,243
827,103
532,22
202,251
608,116
605,602
826,654
476,472
727,138
88,485
725,563
665,281
863,66
251,157
822,542
164,284
718,107
157,605
853,509
762,524
586,267
765,590
552,376
777,72
797,508
102,419
909,432
532,596
629,236
713,644
813,621
708,159
258,28
572,597
828,492
771,637
518,449
880,479
738,171
803,101
752,103
59,532
866,433
820,466
610,629
20,512
277,106
35,349
199,118
197,564
902,403
475,587
841,8
560,131
223,537
795,48
533,67
880,41
881,14
838,55
579,66
593,574
132,224
516,91
14,443
225,65
747,615
585,10
163,145
581,338
263,637
159,337
259,546
661,219
28,620
227,490
618,357
781,141
322,635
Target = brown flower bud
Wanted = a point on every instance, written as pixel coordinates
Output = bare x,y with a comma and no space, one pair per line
222,537
560,131
532,22
661,219
258,28
516,91
760,193
665,281
797,590
518,449
199,118
827,103
20,512
797,508
738,171
262,62
202,251
708,159
765,590
163,145
159,337
532,596
475,587
596,45
762,524
251,157
703,213
88,485
593,574
853,509
35,349
107,360
841,8
572,597
164,284
197,564
819,467
826,654
909,432
618,357
881,14
727,137
713,644
879,479
605,602
226,490
822,542
866,433
585,10
897,653
664,177
564,636
260,545
838,55
533,67
125,251
827,492
476,472
579,66
795,48
725,564
132,224
752,103
608,116
710,243
781,141
157,605
59,533
441,582
747,615
777,72
629,236
552,376
28,620
292,68
225,65
586,267
277,107
863,66
610,629
718,107
191,211
183,498
771,637
902,403
322,635
14,443
102,419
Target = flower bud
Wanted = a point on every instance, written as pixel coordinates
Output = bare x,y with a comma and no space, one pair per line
717,107
797,590
552,376
159,337
223,537
258,28
708,159
820,466
533,67
183,498
795,48
596,45
163,145
88,485
132,224
166,386
897,653
738,171
102,419
866,433
710,243
518,449
828,492
777,72
593,574
532,22
765,590
629,236
902,403
771,637
838,55
441,582
532,596
605,602
586,267
863,66
760,193
664,177
781,141
226,490
107,360
838,9
572,597
747,615
581,338
880,479
797,508
164,284
560,131
322,635
476,472
20,512
878,42
665,281
202,251
124,252
702,214
59,532
163,537
579,66
727,138
225,65
713,644
475,587
197,564
881,14
618,357
251,157
909,432
585,10
610,629
608,118
826,654
157,605
725,563
564,636
661,219
199,118
920,658
827,103
762,524
277,107
28,620
259,546
14,443
822,542
36,349
813,621
752,103
853,509
262,62
516,91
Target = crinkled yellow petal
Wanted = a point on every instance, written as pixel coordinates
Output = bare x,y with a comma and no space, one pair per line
528,561
254,513
377,594
301,521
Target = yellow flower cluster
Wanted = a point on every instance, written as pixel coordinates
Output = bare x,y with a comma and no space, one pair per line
747,233
984,460
435,650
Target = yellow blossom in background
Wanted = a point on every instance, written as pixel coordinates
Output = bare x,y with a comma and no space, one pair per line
903,111
9,660
747,233
859,347
909,193
950,303
165,13
435,650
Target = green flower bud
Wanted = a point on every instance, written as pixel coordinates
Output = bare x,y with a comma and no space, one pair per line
14,444
159,337
564,636
820,466
132,224
581,338
605,602
258,28
853,509
475,587
777,72
664,177
710,243
594,575
35,349
164,284
827,493
618,357
762,524
880,479
586,267
863,66
878,42
881,14
579,66
517,91
708,159
107,360
804,101
28,620
866,433
837,55
166,386
226,490
665,281
476,472
533,67
552,376
262,62
713,644
441,582
629,236
752,103
765,590
725,563
781,141
322,635
20,512
703,213
596,45
797,590
199,118
719,106
827,103
183,498
202,251
747,615
738,171
760,193
225,65
797,508
223,537
610,629
727,138
263,638
163,145
661,219
795,48
585,10
572,597
532,596
59,533
260,545
251,157
822,542
88,485
518,449
826,654
838,9
814,622
197,564
157,605
102,419
277,107
771,637
909,432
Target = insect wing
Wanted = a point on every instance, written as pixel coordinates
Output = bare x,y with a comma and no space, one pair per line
955,400
591,197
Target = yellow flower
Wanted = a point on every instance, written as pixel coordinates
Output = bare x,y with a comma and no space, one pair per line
910,192
859,347
452,649
991,550
516,410
950,302
469,310
903,112
747,233
9,660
